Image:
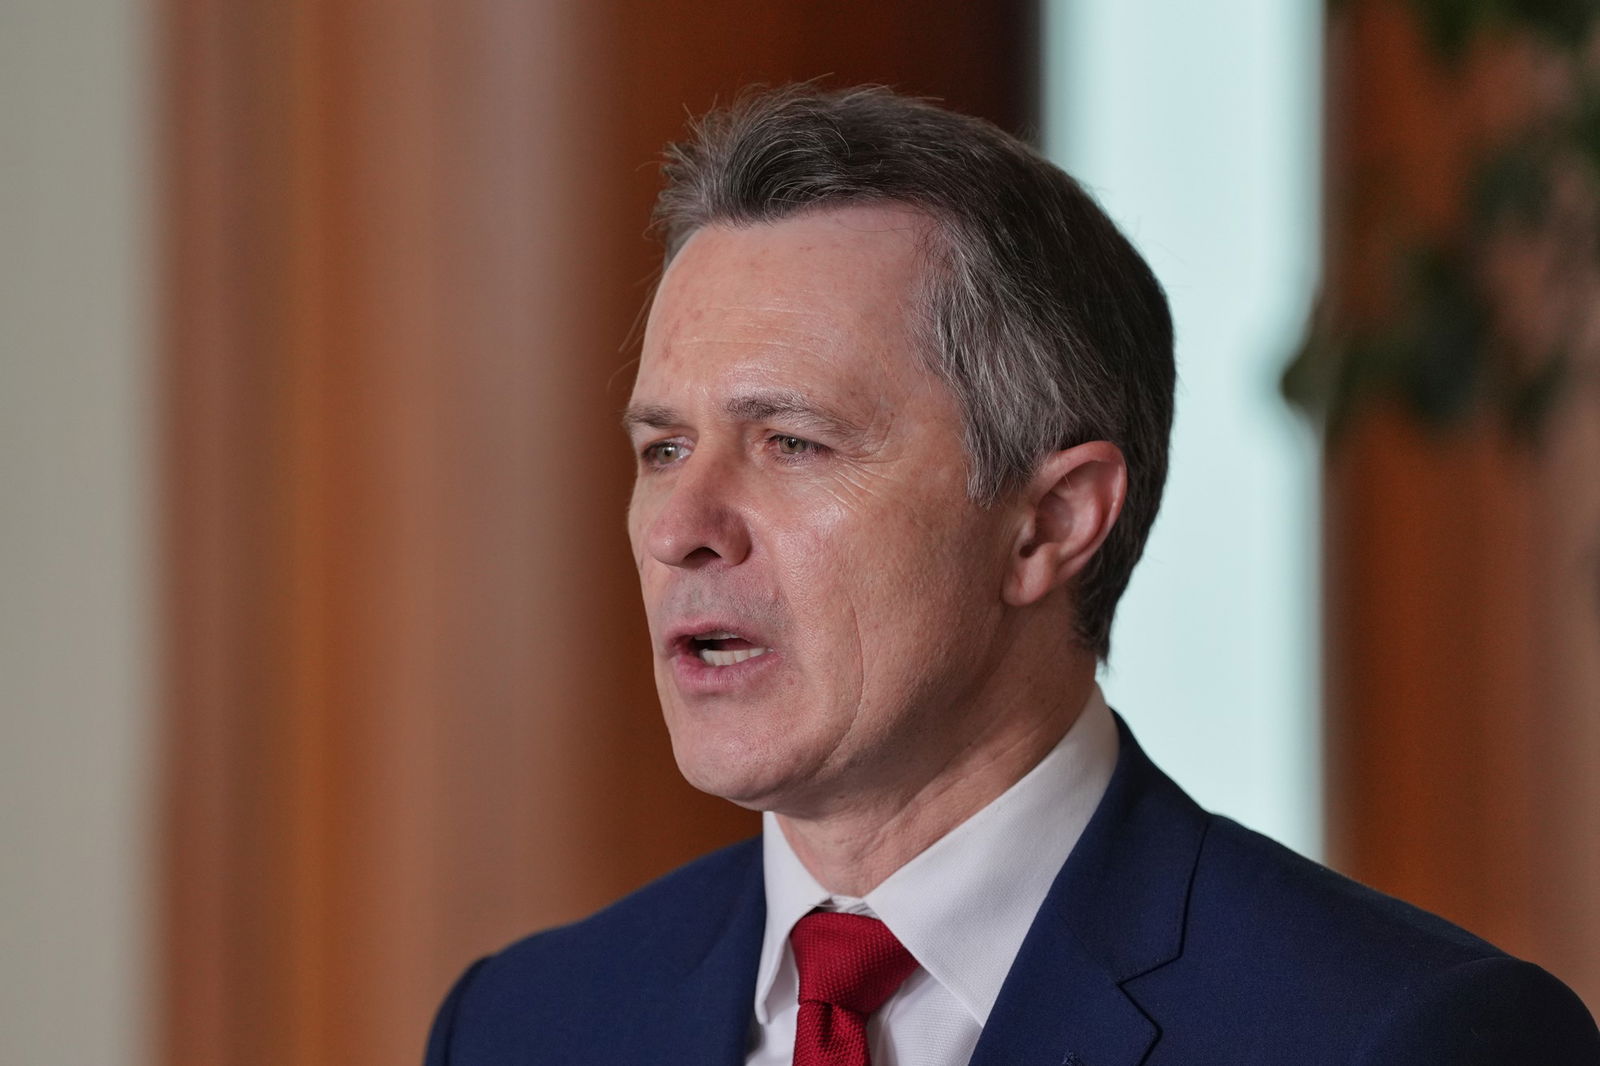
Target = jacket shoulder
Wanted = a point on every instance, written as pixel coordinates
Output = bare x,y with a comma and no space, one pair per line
662,915
1243,875
1484,1012
563,980
1306,957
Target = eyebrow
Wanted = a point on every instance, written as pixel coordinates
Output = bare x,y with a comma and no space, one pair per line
751,407
654,415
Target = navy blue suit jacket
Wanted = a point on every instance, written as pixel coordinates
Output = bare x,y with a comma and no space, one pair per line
1171,937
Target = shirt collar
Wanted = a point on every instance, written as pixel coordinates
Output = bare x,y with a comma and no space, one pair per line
963,906
792,893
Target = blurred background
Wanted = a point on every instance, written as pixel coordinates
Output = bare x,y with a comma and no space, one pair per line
320,667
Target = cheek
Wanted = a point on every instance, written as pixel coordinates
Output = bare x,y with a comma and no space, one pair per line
896,579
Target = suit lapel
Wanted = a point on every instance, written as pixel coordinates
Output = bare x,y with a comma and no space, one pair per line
1115,912
1058,1002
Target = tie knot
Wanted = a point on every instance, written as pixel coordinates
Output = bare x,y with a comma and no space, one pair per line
848,960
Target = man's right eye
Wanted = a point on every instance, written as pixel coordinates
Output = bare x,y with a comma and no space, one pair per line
663,453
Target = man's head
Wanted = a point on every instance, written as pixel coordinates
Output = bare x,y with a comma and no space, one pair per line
900,379
1037,313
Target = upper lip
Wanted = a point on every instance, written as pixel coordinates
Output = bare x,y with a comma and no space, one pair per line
679,636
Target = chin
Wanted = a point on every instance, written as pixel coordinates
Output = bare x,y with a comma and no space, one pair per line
732,772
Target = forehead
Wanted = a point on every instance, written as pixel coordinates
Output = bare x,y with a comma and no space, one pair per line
826,301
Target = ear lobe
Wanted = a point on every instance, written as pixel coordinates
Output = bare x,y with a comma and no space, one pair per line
1072,502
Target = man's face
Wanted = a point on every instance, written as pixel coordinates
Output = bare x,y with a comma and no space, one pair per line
824,601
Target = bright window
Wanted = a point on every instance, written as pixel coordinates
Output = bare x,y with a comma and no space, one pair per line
1198,128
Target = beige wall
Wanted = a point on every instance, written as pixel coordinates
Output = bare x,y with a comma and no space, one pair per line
75,625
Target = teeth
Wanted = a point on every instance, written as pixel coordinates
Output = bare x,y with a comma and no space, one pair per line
713,657
721,634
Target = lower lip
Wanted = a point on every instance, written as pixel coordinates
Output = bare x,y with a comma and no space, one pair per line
694,676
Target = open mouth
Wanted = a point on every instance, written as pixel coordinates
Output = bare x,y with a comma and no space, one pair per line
722,648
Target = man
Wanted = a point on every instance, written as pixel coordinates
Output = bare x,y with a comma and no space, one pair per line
901,421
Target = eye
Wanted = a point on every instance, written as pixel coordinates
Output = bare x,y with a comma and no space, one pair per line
793,446
663,453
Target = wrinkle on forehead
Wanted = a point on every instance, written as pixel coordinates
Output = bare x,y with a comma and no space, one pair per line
775,316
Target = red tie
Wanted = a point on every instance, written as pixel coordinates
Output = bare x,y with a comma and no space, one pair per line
849,965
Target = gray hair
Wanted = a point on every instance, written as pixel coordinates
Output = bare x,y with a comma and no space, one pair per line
1042,318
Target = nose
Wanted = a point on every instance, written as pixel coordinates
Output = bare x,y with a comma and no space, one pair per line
697,520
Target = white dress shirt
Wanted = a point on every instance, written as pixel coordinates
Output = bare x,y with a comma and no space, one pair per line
961,908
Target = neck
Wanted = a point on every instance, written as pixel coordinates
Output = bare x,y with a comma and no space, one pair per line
853,847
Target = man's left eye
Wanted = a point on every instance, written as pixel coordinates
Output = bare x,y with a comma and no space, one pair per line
787,445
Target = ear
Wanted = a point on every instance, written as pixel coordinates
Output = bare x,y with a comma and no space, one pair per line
1070,504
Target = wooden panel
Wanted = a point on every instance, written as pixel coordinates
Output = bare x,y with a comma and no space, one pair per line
1462,565
410,713
1431,656
1565,876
